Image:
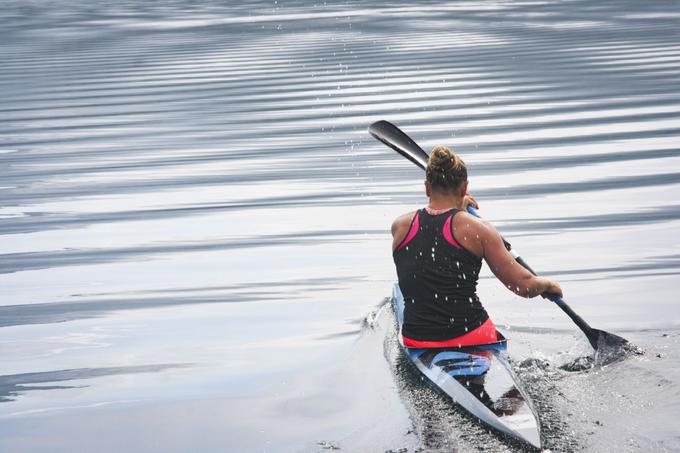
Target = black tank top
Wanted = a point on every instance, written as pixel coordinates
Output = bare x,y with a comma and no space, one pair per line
438,279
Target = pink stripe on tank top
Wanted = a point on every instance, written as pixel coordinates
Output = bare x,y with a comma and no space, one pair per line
415,226
447,233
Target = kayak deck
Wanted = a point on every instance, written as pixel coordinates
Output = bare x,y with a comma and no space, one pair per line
480,380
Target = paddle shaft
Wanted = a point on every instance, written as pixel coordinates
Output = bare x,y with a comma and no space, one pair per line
580,322
396,139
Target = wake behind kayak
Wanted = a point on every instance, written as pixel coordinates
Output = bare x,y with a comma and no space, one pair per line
478,379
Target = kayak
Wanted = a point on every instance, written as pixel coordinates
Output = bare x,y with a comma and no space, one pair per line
480,380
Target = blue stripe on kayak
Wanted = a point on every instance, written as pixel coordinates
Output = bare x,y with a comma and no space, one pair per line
461,363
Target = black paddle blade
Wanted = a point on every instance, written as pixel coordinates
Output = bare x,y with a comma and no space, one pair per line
610,348
396,139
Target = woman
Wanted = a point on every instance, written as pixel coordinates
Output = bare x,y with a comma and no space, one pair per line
438,253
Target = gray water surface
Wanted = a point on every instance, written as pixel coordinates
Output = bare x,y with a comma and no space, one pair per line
194,222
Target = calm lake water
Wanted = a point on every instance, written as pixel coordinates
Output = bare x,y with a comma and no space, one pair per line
194,222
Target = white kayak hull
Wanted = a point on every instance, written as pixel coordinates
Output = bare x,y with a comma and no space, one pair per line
480,380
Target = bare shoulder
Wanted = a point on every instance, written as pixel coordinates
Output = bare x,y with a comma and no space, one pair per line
466,221
402,223
471,232
400,228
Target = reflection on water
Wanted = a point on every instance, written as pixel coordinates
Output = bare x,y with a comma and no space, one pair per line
193,184
13,385
83,306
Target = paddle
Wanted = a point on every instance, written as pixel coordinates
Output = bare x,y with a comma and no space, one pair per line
609,347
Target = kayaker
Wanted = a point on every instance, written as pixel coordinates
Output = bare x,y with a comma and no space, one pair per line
438,254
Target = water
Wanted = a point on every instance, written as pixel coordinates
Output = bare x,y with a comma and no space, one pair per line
194,222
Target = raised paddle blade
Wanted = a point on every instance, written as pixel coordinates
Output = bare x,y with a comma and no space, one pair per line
396,139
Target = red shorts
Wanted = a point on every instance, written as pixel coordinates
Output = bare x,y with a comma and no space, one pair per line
484,334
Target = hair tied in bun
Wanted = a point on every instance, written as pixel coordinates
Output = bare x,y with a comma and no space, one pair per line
445,171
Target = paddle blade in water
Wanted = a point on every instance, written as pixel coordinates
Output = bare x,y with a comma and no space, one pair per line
611,348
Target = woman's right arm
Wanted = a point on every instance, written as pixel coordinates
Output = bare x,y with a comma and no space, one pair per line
516,278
